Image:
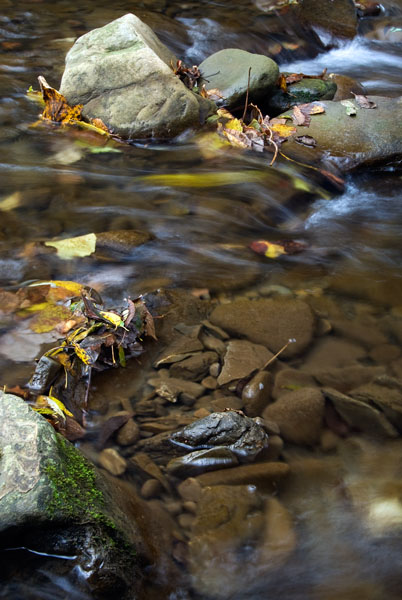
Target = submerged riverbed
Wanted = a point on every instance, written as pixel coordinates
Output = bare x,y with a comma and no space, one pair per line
341,530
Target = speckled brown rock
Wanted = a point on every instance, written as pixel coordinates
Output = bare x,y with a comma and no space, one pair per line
299,415
270,322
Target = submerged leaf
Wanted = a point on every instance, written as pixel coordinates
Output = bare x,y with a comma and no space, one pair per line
204,180
83,245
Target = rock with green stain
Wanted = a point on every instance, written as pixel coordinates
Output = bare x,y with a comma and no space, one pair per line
304,91
42,476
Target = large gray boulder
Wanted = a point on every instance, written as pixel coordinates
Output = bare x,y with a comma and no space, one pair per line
228,71
123,75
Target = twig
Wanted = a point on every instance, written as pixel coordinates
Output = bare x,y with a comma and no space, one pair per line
246,103
271,360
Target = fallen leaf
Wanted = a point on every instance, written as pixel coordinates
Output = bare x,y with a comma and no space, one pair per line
312,108
363,101
80,246
294,78
267,249
284,131
299,117
274,250
306,140
48,317
99,124
57,108
237,138
281,83
351,109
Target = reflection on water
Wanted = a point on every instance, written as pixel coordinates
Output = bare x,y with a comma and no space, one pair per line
203,211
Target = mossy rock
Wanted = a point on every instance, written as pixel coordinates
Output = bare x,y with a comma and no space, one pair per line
54,499
304,91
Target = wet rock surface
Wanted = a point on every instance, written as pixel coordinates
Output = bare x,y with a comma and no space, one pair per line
370,136
231,429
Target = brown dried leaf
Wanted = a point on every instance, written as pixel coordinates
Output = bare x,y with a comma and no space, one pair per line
294,78
57,108
299,118
306,140
363,101
99,124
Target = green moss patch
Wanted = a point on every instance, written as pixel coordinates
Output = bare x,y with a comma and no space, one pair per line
73,482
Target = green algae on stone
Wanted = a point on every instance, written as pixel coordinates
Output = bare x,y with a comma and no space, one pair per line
74,488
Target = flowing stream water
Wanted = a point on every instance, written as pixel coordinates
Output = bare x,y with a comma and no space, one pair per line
203,225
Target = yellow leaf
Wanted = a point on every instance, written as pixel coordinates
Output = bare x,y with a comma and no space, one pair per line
284,131
237,138
56,107
222,112
211,144
49,317
83,245
112,318
55,402
268,249
234,124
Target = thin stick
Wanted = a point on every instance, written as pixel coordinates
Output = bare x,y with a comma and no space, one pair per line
271,360
246,104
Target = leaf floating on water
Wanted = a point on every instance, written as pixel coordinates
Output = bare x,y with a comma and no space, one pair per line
274,250
351,108
306,140
57,108
80,246
363,101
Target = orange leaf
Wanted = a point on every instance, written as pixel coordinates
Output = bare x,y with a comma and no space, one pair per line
57,108
282,83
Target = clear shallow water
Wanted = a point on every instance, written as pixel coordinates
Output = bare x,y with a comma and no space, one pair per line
201,231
